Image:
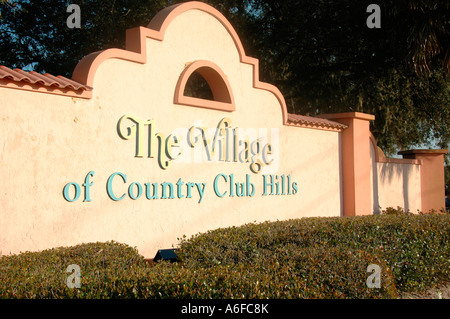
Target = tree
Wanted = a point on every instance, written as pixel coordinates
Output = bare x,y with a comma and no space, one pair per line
324,58
320,53
34,34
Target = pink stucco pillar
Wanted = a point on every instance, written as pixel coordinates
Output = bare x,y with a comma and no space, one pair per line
355,162
432,180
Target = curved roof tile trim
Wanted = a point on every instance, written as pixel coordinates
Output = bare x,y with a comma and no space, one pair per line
34,81
314,122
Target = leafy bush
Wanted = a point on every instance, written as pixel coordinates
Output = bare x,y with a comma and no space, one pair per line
107,270
395,211
310,273
301,258
415,247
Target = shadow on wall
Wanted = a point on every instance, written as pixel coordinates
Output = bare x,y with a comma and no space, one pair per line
341,177
390,173
376,203
395,176
414,182
407,172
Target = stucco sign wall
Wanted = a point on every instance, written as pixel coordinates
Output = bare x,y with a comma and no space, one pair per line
121,152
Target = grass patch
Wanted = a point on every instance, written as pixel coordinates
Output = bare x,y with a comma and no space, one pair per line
301,258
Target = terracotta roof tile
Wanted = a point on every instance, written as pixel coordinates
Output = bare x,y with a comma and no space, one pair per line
309,121
48,80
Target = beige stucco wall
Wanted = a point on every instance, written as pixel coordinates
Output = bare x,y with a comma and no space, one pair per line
48,141
399,185
395,185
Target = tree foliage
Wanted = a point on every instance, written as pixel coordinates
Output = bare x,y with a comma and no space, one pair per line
324,58
320,53
34,34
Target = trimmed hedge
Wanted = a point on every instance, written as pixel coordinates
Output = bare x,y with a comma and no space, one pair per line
302,258
108,270
416,247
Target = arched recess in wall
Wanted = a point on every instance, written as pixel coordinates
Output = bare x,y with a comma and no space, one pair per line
221,97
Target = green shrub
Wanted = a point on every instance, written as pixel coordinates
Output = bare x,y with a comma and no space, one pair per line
107,269
309,273
415,247
301,258
395,211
